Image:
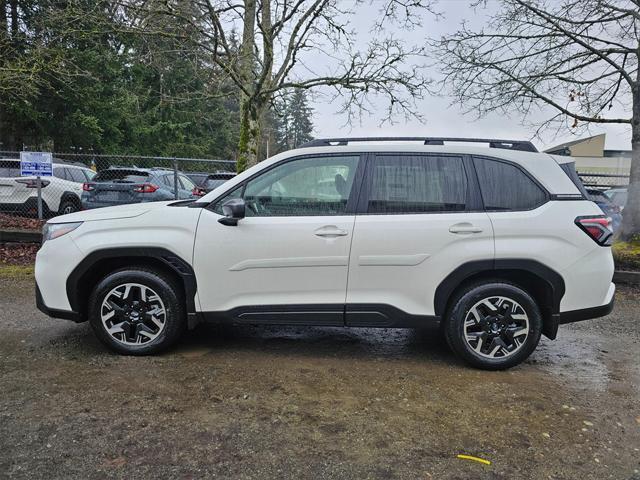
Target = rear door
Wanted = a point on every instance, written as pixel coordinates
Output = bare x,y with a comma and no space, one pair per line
419,218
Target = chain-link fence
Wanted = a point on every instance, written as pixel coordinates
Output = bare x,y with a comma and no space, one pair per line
87,180
603,181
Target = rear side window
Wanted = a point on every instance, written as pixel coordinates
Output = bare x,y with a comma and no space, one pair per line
403,184
506,187
187,184
570,169
9,169
60,172
121,176
76,175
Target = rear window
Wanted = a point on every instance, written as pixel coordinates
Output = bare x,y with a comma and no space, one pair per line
212,183
121,176
597,196
9,168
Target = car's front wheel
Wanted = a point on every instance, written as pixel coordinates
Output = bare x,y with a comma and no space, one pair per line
493,325
137,311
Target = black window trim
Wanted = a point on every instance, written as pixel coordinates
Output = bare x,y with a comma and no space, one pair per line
546,193
351,201
473,201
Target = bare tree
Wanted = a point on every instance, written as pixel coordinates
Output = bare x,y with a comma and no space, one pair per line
304,44
579,57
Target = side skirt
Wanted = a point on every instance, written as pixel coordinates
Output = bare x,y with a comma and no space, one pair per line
331,315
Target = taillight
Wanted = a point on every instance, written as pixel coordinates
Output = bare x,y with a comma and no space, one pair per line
88,187
198,192
145,188
33,183
598,227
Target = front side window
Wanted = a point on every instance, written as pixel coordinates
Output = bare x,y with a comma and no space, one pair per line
305,187
403,184
506,187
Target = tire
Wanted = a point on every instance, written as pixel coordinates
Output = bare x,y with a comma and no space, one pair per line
149,326
68,206
486,325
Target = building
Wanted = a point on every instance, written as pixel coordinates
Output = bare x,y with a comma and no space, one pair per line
592,157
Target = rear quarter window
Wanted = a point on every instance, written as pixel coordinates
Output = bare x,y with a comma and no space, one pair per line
506,187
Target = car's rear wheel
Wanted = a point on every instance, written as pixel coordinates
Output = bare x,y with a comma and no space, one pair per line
137,311
68,206
493,325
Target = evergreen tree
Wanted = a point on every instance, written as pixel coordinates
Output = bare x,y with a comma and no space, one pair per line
293,122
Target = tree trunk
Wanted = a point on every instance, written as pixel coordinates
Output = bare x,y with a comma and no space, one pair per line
631,213
250,123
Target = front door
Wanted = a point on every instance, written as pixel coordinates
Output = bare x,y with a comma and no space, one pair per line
287,260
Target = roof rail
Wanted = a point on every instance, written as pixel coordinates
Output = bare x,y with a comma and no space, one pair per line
522,145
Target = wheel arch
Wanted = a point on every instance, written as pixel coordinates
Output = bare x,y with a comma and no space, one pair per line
99,263
70,197
543,283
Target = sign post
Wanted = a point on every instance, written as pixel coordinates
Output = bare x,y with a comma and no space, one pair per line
36,164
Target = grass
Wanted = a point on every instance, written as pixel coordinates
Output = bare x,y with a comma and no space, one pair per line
16,271
627,255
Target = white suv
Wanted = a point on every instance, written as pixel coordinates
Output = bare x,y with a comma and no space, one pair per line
60,193
499,245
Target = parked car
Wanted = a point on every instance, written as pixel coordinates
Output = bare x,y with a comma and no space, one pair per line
498,245
197,177
607,206
617,196
123,185
60,192
211,182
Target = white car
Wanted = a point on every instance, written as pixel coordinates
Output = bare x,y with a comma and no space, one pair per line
60,193
497,244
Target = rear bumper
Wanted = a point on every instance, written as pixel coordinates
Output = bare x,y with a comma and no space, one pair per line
28,207
586,313
52,312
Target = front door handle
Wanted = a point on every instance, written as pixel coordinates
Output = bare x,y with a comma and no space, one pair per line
330,231
464,228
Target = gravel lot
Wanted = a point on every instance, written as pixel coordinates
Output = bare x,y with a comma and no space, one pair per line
242,402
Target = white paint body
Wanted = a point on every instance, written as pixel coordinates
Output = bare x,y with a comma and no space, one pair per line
13,192
397,260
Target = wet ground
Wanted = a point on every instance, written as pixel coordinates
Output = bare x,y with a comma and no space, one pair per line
243,402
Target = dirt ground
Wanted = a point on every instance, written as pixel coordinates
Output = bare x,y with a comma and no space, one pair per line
244,402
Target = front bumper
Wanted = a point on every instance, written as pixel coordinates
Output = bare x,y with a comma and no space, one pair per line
55,313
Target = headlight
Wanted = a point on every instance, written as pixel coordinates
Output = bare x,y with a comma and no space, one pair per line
55,230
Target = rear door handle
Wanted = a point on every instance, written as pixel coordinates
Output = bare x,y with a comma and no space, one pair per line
330,231
464,228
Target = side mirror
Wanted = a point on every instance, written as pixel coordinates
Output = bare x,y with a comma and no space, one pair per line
233,210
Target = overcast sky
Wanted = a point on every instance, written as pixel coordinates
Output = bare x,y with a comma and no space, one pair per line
442,118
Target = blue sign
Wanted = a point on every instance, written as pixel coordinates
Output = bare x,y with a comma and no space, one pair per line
35,164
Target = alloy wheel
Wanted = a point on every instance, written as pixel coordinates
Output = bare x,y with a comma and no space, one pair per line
496,327
133,314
